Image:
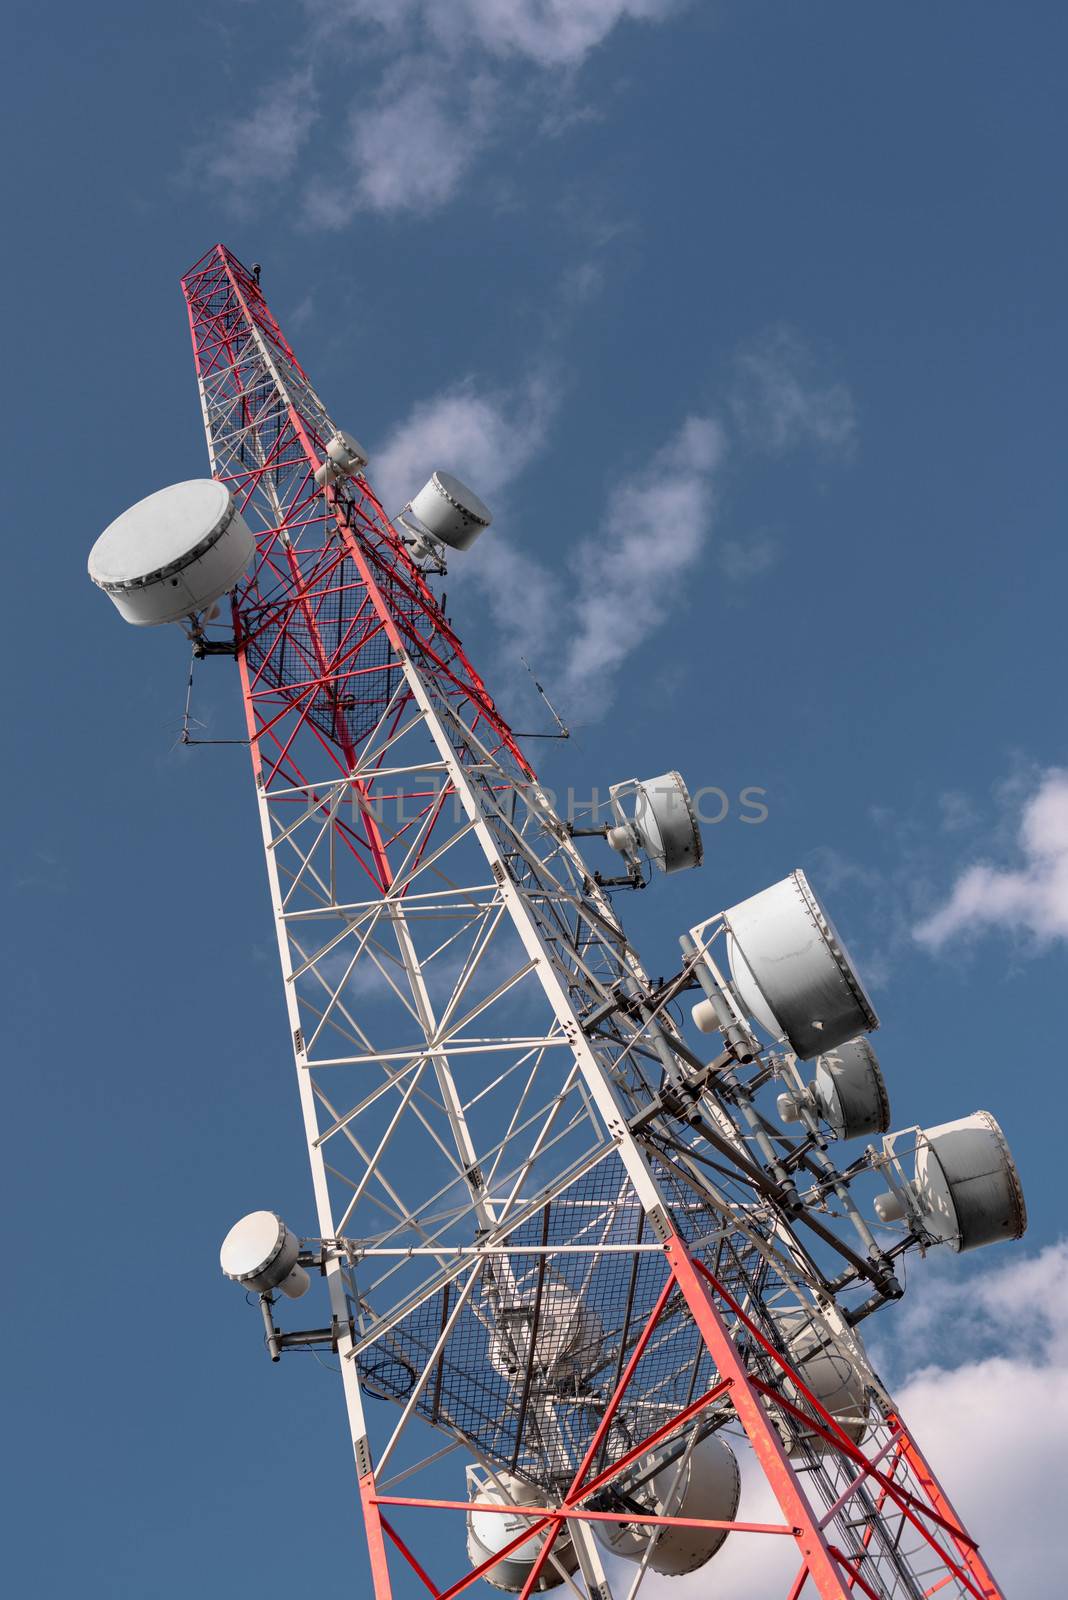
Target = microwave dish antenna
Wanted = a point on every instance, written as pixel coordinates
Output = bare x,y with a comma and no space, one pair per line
173,553
662,822
701,1483
450,512
848,1092
490,1533
965,1190
546,1329
792,972
261,1253
830,1371
345,457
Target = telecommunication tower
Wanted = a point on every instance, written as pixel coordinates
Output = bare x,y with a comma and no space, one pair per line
580,1273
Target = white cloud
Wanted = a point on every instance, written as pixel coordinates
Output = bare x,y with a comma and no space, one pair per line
991,1422
410,145
551,33
629,575
1030,898
992,1426
263,146
440,80
779,402
1018,1304
485,436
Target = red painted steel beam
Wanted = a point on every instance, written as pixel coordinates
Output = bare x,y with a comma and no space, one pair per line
987,1585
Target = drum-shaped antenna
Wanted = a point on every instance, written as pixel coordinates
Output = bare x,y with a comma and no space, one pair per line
667,824
850,1092
707,1486
827,1368
173,553
345,457
346,452
792,972
664,823
490,1531
967,1185
568,1340
451,511
260,1253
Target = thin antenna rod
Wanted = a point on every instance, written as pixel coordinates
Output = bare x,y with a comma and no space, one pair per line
187,719
564,730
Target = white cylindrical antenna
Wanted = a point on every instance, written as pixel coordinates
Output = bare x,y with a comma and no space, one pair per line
966,1185
346,452
345,457
664,823
173,553
622,838
849,1091
704,1484
889,1207
260,1253
787,1107
791,969
450,511
490,1531
705,1016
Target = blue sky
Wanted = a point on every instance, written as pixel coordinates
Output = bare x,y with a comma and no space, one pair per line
748,320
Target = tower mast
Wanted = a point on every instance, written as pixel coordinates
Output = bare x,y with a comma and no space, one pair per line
557,1243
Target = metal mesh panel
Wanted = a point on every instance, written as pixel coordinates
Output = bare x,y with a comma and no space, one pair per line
286,650
537,1351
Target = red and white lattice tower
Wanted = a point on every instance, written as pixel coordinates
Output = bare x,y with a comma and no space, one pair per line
567,1258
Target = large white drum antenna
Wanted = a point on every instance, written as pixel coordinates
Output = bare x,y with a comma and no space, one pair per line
792,972
965,1190
444,512
172,554
848,1093
662,822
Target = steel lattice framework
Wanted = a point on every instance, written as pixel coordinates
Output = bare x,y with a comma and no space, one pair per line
501,1115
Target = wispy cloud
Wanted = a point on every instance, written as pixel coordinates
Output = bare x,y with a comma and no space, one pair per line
1030,897
629,573
781,402
440,82
958,811
626,576
487,435
1021,1302
410,144
262,146
551,33
876,902
488,438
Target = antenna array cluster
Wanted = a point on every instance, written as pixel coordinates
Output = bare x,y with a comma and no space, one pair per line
615,1266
